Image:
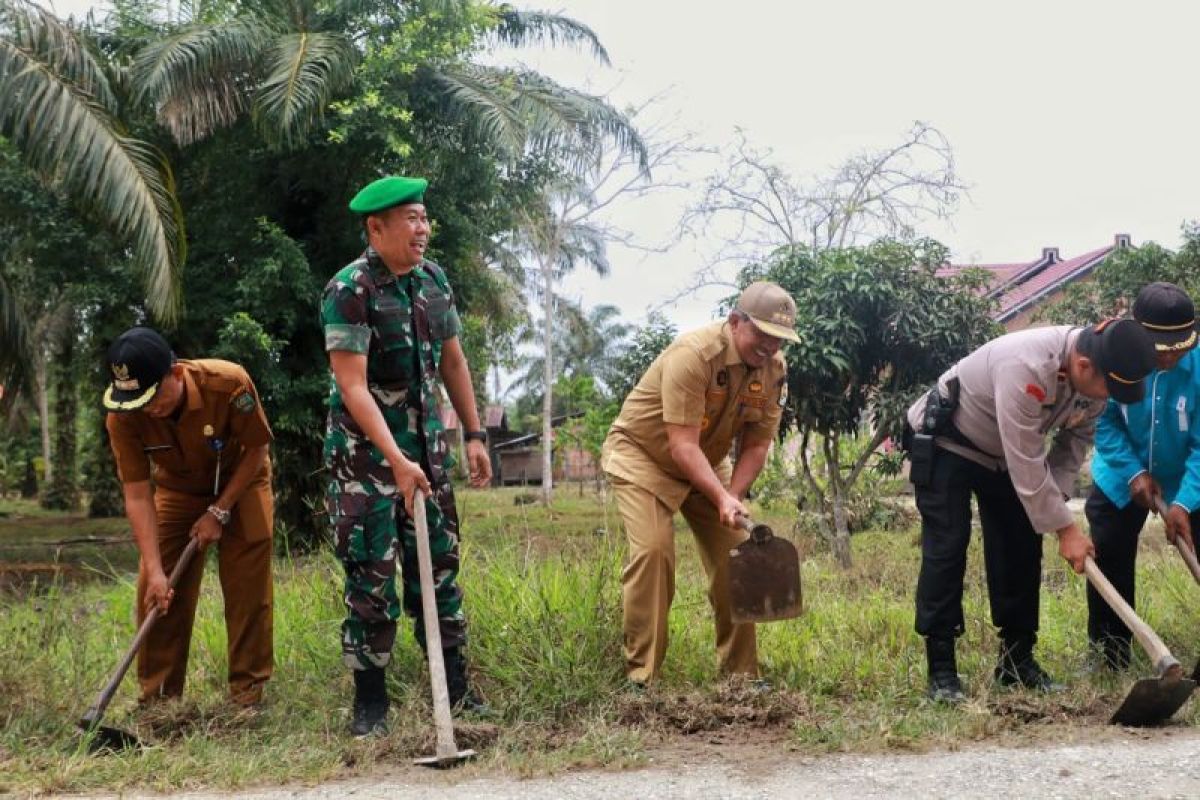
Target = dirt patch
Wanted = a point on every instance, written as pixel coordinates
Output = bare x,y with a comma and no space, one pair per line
735,703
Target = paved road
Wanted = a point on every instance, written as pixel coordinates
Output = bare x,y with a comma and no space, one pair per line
1162,765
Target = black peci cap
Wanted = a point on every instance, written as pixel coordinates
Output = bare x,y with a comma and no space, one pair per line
1124,352
138,359
1168,315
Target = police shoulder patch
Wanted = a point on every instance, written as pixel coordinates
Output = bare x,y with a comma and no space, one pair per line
243,402
1036,392
783,392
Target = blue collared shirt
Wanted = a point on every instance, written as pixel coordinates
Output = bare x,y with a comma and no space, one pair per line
1159,435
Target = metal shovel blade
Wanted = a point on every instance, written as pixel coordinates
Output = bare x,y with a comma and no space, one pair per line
102,738
1153,700
764,577
445,761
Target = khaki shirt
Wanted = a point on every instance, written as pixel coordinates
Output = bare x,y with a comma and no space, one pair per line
1014,393
699,381
176,452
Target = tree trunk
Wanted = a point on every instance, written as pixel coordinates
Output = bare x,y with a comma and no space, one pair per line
105,498
63,489
841,529
41,392
547,382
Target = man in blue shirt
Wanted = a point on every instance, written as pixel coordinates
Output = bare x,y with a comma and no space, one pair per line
1146,450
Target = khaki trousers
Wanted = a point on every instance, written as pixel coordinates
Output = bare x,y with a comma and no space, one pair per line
648,581
244,569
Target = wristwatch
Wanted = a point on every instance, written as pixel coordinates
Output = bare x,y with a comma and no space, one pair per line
479,436
221,514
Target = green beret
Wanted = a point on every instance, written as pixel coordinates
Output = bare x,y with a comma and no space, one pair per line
388,192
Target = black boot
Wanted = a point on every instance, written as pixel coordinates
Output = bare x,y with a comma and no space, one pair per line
1018,667
370,703
462,695
944,685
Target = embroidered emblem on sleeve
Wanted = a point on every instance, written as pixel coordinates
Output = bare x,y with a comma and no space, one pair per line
244,402
1036,392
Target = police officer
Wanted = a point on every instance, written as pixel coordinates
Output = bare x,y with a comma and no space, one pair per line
177,427
392,330
982,432
1145,452
668,451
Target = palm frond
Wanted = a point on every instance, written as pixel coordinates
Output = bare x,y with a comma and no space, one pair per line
56,109
303,73
195,78
519,109
523,28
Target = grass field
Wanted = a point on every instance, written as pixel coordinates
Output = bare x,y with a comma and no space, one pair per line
543,597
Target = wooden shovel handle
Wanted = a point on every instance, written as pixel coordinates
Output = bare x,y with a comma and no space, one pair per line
447,748
1164,662
106,694
1189,557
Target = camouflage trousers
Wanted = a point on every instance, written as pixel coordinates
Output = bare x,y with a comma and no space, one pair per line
372,535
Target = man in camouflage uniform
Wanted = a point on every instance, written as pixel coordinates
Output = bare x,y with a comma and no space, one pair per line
391,330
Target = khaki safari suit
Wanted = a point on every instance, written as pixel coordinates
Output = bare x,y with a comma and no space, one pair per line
699,381
181,460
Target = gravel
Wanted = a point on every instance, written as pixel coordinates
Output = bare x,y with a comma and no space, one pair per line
1156,765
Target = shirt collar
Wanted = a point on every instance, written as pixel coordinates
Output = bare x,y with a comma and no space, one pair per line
194,401
381,273
732,357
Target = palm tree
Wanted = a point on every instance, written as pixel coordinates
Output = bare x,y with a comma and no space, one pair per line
61,105
285,61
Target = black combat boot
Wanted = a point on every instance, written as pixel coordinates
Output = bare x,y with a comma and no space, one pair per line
944,685
462,695
370,703
1018,667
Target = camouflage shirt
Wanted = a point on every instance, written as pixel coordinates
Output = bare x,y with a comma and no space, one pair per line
399,323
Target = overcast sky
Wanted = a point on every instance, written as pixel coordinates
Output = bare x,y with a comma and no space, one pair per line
1070,121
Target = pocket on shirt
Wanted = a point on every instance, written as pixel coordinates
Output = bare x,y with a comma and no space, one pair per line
390,362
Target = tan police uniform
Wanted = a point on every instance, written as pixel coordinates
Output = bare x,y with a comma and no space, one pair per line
181,460
699,381
1013,394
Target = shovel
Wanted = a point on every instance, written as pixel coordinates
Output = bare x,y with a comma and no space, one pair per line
1189,558
1151,700
102,737
764,576
447,753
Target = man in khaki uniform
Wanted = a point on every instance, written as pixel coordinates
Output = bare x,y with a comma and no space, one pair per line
982,432
170,423
668,451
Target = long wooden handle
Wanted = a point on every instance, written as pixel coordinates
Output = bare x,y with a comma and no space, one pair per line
447,748
1164,662
106,694
1189,557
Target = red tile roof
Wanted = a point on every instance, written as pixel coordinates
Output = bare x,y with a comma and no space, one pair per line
1053,277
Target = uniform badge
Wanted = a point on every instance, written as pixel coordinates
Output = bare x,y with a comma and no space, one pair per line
244,402
756,387
1036,392
722,378
783,392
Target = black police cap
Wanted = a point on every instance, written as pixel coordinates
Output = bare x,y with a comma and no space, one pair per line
1123,351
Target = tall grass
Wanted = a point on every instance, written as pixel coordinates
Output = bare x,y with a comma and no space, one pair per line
543,598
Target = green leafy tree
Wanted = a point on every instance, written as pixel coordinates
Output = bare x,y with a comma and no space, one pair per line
1116,282
64,106
877,326
645,344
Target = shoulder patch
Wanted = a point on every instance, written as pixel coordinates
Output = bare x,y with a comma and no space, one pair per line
1036,392
783,392
244,402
